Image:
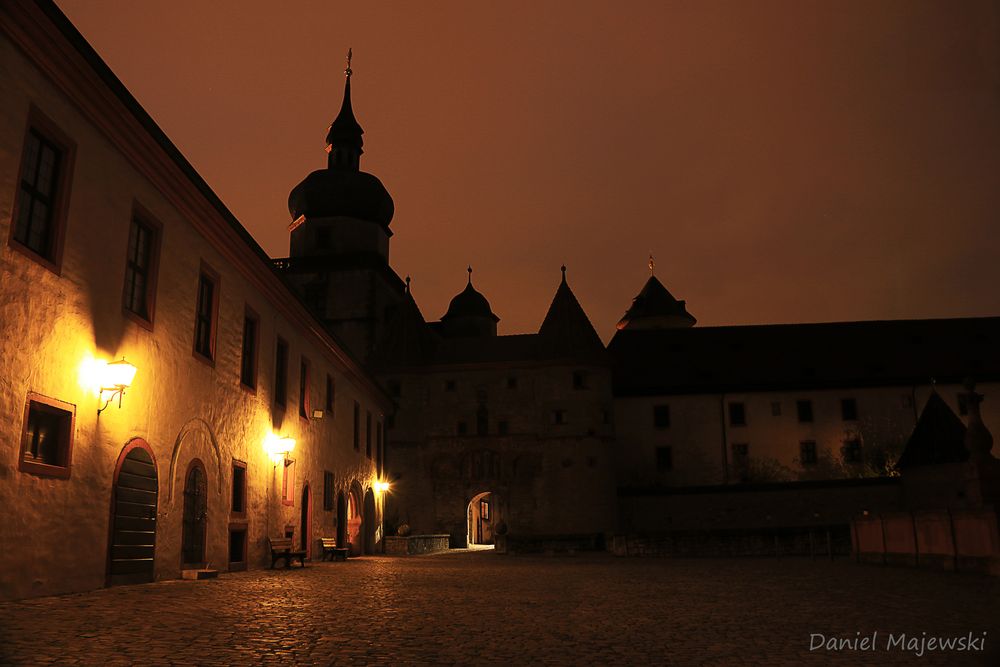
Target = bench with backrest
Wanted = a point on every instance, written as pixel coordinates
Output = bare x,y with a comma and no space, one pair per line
281,547
331,550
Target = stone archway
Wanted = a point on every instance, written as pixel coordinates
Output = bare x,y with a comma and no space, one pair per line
483,516
341,520
370,523
354,520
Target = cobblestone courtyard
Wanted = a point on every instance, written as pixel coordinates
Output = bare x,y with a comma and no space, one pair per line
476,608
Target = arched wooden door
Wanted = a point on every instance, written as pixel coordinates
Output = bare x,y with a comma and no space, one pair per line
133,516
305,532
341,520
195,517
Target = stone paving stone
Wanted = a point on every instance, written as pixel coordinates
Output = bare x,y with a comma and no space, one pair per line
486,609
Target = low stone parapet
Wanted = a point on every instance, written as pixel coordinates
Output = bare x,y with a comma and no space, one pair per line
414,545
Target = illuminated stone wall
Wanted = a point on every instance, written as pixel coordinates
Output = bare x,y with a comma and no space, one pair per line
55,327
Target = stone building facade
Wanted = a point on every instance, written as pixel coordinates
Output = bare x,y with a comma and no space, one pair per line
113,247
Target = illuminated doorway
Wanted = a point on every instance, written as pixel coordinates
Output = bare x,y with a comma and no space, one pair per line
354,522
482,520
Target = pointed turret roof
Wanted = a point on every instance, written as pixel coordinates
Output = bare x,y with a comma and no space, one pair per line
346,131
566,328
656,308
938,437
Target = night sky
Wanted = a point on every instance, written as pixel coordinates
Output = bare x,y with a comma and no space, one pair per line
783,161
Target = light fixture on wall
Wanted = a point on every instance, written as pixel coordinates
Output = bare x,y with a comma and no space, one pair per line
381,487
277,447
116,377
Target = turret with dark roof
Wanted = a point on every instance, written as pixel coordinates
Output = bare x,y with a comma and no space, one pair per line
656,308
469,315
566,330
342,189
938,437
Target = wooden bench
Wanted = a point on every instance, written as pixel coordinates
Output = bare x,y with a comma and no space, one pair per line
282,548
331,550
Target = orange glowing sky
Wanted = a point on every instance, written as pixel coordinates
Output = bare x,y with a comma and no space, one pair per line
784,161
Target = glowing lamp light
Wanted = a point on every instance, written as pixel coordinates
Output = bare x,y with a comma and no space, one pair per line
381,487
277,447
116,377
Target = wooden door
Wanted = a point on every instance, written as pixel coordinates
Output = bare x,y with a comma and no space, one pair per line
133,520
195,515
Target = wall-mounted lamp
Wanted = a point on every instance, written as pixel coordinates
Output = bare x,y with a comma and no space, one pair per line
381,487
277,447
116,377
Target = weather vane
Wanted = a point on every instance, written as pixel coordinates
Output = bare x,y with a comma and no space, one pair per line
349,54
652,264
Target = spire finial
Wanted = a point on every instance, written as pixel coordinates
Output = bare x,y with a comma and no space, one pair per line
563,269
407,284
349,71
470,273
652,264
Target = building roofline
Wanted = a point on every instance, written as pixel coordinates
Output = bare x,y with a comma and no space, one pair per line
33,34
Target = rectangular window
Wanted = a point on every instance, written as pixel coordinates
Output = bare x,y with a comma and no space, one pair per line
239,501
304,388
807,453
484,510
328,490
248,356
849,409
328,404
206,312
357,427
47,436
281,374
368,434
288,483
237,547
558,416
737,414
805,410
579,379
852,451
43,187
141,259
664,459
661,416
775,408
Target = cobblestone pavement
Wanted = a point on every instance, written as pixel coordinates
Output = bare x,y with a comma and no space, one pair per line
484,608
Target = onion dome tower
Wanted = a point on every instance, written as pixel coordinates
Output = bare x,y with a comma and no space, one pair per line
339,239
469,315
341,208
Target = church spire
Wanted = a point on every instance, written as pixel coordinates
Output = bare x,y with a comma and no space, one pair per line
344,138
